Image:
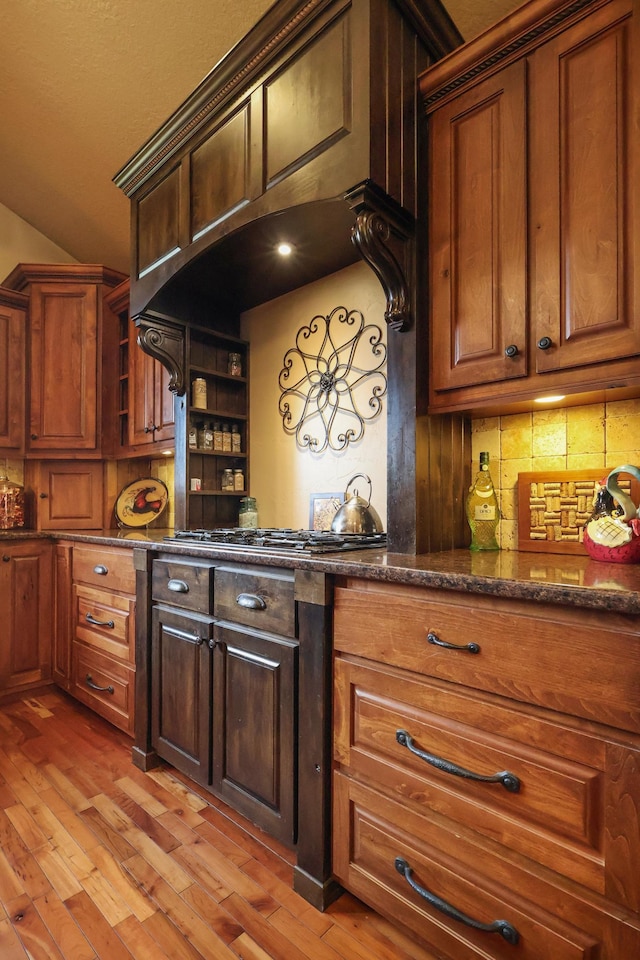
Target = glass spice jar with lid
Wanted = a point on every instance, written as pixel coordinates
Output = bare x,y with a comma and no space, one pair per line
227,479
234,365
248,515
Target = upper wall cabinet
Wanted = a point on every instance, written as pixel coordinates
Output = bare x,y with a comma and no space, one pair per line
319,97
533,222
13,314
71,402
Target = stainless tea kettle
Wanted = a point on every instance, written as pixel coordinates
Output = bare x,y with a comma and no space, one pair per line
356,515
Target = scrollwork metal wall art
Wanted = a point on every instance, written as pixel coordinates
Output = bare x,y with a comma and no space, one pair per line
332,382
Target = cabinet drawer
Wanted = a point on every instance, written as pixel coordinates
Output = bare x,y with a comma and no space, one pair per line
550,797
184,583
106,621
108,567
105,685
580,662
262,598
371,832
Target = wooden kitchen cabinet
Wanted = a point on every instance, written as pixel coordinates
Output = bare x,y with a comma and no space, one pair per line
533,234
71,406
484,759
100,657
26,624
13,331
66,494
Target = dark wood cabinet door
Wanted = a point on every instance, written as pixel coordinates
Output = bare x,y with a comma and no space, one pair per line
181,690
27,621
12,372
64,367
254,727
584,308
478,234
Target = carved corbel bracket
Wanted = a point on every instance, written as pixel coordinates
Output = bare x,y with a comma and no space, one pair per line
380,222
164,339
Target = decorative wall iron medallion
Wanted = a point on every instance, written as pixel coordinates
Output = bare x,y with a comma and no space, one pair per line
332,381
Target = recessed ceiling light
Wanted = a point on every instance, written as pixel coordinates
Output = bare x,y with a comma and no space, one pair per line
284,249
554,398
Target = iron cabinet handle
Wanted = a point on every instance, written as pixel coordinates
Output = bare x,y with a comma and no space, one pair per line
94,686
6,558
99,623
101,570
251,601
436,641
178,586
506,930
508,780
544,343
511,350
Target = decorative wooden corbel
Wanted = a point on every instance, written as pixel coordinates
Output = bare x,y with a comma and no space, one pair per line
380,220
164,339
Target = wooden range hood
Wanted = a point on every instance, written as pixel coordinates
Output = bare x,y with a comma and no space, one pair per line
308,130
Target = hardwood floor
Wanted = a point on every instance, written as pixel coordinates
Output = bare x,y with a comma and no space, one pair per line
99,861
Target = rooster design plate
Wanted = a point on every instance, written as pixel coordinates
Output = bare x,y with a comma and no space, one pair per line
141,502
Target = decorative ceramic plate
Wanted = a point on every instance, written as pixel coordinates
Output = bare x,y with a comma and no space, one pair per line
141,502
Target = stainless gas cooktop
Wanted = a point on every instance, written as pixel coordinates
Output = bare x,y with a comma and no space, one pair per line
281,540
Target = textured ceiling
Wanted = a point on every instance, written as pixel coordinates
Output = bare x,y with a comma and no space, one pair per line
83,83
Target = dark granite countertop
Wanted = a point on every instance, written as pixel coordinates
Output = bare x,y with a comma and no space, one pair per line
545,577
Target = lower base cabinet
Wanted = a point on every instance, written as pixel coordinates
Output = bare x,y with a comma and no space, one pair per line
478,799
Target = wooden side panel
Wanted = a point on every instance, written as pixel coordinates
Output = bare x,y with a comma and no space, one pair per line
478,234
64,367
307,106
12,377
220,172
61,658
582,194
158,216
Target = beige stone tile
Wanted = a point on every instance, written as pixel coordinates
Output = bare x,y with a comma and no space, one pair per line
622,433
588,411
515,421
541,464
542,417
550,440
516,442
485,440
585,436
510,470
508,534
485,424
509,504
585,461
622,458
623,408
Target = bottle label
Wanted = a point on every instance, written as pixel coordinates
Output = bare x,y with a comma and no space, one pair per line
484,511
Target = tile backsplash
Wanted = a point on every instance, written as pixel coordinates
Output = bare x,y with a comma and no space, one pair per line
587,437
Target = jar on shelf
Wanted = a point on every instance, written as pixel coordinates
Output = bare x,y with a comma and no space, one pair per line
217,436
227,479
236,440
193,436
11,503
238,479
234,365
199,393
226,438
248,515
208,437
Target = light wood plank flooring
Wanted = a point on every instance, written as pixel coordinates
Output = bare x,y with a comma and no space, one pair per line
99,861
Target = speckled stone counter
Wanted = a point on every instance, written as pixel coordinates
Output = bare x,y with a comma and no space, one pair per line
545,577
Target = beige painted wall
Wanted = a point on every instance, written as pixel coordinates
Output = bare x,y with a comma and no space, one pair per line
282,475
22,243
596,435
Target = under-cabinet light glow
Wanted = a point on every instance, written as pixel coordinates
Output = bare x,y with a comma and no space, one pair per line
284,249
550,399
166,453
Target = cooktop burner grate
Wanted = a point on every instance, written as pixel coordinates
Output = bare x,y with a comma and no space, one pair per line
282,539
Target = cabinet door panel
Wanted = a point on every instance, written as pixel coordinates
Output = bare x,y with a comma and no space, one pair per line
26,624
478,233
181,682
581,193
254,727
12,374
64,361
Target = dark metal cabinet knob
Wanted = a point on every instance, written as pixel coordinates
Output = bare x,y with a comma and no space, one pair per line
44,496
511,350
6,559
544,343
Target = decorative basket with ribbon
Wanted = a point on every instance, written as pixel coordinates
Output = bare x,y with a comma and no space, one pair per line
612,532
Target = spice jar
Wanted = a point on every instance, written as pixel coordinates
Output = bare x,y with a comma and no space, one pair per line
236,441
234,365
227,479
238,479
11,504
248,515
199,393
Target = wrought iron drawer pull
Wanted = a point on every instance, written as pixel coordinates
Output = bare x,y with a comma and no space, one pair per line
251,601
508,780
505,929
99,623
94,686
101,570
467,647
178,586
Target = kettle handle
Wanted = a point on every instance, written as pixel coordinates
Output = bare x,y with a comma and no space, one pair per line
355,477
627,504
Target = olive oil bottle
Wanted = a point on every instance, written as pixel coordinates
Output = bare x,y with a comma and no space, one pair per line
483,512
